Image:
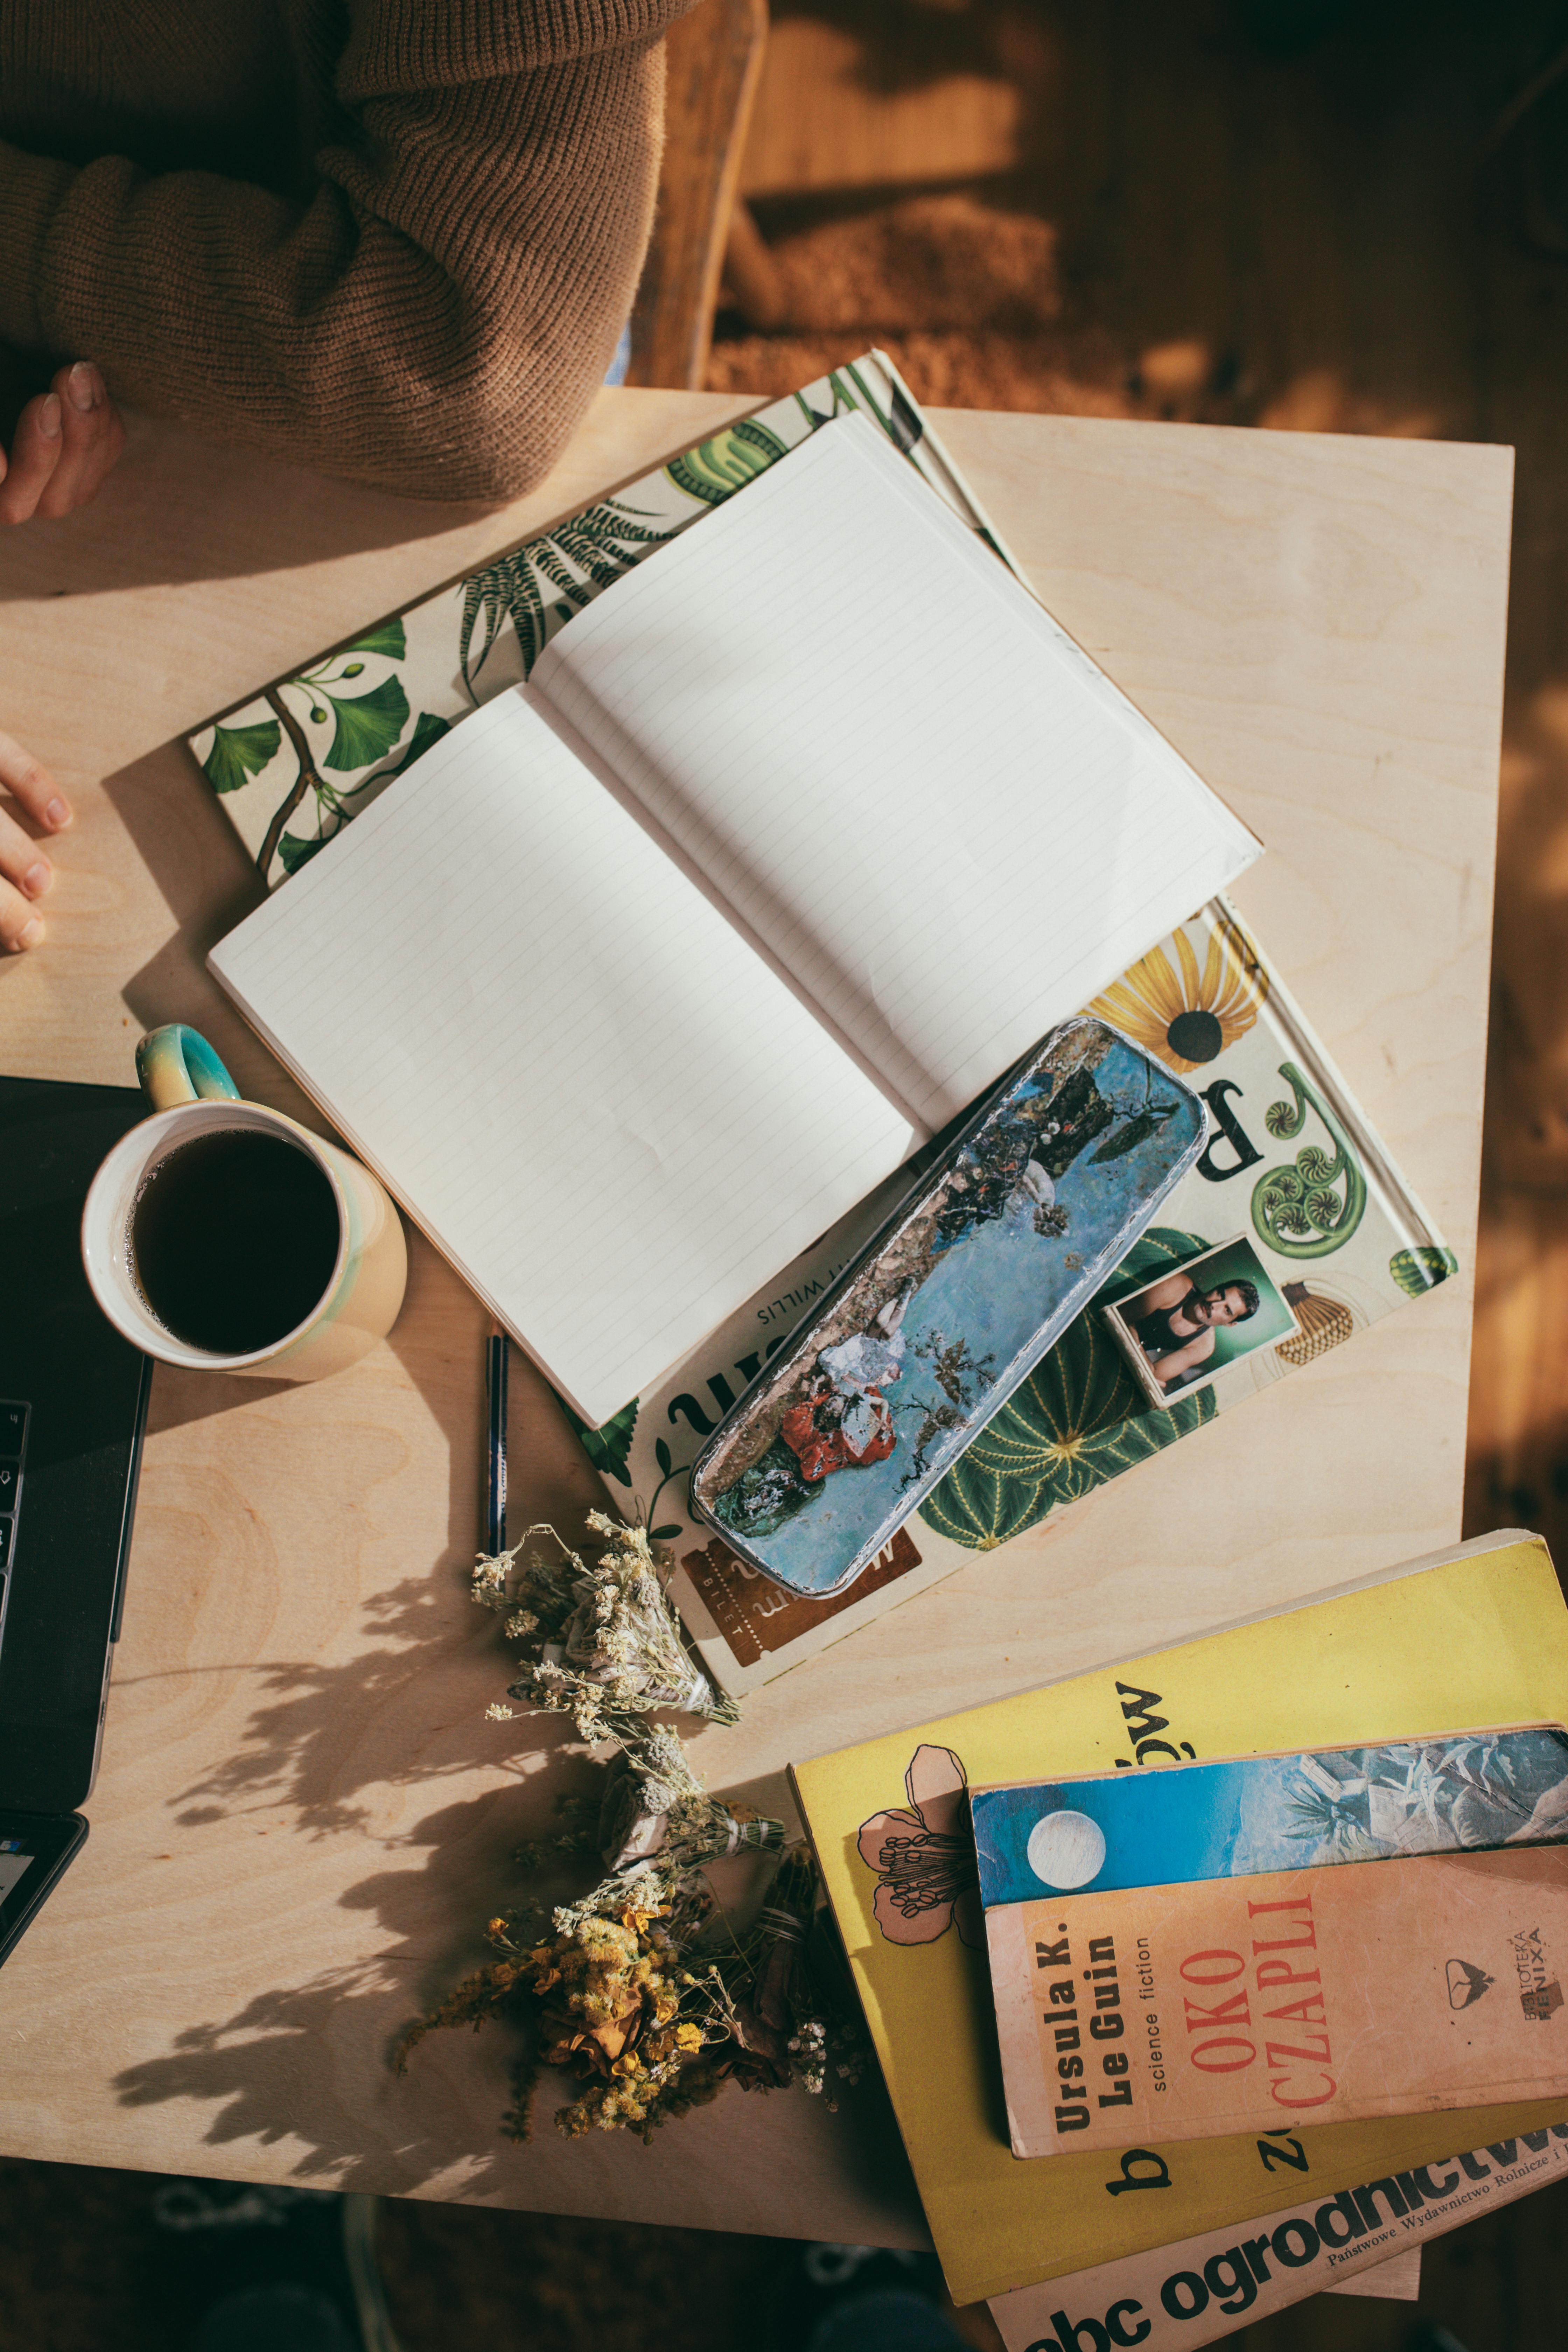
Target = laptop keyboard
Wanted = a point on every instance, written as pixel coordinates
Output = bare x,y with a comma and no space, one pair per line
12,1454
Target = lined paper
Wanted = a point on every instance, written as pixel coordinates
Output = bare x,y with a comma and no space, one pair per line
573,1072
935,810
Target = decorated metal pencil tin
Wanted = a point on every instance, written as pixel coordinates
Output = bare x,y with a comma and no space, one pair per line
1004,1238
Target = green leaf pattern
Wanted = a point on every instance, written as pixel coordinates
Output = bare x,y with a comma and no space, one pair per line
458,646
239,753
1422,1269
368,725
1078,1419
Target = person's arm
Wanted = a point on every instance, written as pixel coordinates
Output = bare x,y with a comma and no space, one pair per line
25,874
1178,1362
434,315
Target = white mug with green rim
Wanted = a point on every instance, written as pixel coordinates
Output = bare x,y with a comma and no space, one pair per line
209,1245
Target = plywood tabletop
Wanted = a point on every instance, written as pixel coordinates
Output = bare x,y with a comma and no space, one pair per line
303,1816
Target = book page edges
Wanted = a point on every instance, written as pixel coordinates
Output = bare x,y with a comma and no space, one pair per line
1024,2082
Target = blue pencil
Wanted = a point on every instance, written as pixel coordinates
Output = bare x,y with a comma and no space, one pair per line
497,1357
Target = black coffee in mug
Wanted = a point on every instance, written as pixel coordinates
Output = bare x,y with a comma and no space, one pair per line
234,1237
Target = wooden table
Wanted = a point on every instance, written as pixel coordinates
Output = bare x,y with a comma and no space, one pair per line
303,1816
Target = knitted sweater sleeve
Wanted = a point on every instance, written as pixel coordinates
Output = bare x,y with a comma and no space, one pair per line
434,316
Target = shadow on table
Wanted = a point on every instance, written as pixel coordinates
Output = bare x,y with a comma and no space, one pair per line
310,2062
238,515
204,877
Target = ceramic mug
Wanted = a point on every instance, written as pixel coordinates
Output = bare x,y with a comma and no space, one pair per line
192,1095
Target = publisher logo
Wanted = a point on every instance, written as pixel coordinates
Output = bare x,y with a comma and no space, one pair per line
1466,1984
1539,1998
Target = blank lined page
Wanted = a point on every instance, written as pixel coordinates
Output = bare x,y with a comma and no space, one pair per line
934,809
591,1094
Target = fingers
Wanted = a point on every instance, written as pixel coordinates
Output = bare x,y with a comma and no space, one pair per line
35,453
21,925
26,873
91,438
32,785
26,877
66,441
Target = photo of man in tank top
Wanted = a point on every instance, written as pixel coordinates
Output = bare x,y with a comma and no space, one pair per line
1176,1321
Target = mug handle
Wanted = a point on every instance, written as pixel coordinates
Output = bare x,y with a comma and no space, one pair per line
176,1065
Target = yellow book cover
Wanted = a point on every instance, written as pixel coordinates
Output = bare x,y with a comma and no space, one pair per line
1478,1635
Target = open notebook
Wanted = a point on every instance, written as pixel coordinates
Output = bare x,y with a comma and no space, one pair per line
798,836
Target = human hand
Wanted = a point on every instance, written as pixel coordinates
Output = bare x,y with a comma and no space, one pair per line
25,874
65,441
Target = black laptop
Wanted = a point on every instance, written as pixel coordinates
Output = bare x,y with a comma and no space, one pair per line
73,1401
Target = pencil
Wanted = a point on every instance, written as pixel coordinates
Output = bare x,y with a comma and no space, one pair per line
497,1356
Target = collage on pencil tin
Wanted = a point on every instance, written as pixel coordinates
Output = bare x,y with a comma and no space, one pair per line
1291,1232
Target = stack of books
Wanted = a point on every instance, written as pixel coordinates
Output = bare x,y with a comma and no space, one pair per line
1221,1975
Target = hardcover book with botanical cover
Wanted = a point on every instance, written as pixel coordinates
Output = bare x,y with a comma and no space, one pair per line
1283,2000
1294,1167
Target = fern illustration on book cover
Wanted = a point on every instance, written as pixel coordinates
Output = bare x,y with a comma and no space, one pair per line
297,761
1319,1996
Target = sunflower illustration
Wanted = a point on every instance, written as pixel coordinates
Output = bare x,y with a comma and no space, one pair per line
1185,1017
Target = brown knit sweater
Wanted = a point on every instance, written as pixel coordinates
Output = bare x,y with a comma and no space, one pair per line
394,239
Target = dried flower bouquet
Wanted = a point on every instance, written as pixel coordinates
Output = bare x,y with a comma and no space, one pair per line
643,1987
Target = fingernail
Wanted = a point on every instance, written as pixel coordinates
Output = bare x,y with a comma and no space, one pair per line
28,936
82,386
49,417
57,812
37,878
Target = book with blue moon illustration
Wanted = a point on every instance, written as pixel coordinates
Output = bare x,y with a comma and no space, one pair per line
1236,1816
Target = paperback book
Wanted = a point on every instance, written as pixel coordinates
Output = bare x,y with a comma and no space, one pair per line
1203,2287
1246,1814
1306,1997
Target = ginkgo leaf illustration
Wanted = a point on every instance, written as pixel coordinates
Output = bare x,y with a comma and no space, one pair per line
387,637
428,729
368,725
240,752
294,852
